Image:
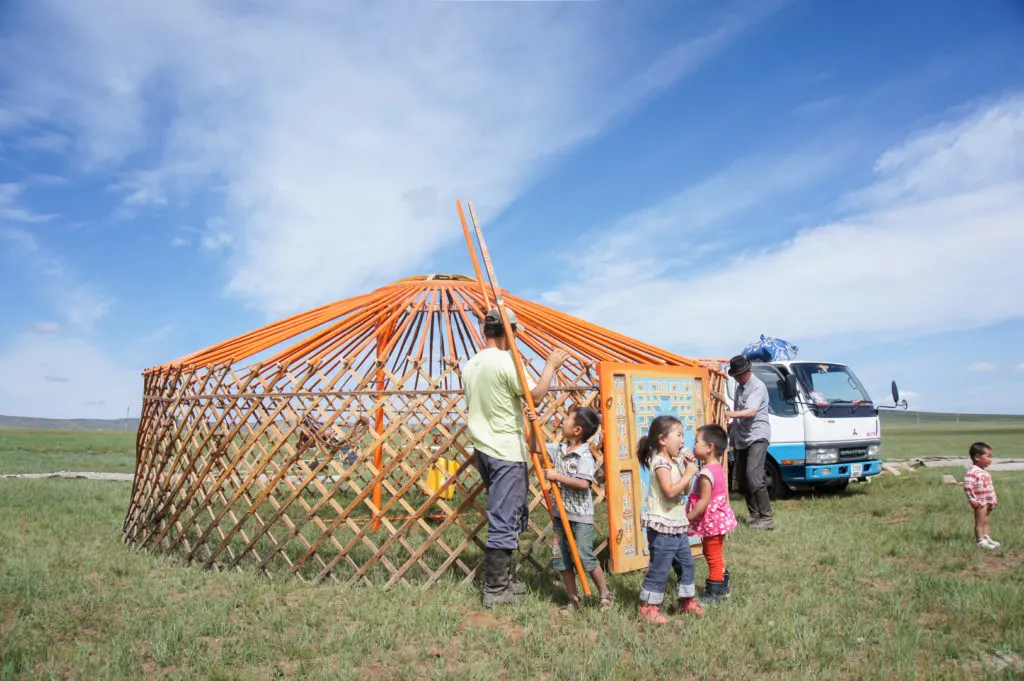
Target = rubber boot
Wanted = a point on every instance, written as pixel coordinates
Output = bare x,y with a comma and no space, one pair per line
690,606
652,613
764,510
496,572
713,592
514,585
726,591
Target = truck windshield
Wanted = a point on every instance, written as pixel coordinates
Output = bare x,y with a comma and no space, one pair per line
830,384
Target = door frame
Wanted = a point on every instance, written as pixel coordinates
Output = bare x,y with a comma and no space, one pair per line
618,421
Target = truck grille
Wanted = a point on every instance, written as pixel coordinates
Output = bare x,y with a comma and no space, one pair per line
850,453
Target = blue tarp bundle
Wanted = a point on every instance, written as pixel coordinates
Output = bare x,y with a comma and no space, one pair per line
769,349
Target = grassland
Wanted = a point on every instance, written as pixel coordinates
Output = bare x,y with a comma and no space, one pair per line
881,581
910,435
47,451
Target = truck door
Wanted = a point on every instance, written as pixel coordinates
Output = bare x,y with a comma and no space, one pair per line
787,441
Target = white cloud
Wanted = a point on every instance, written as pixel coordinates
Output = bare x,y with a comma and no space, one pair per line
80,304
976,152
45,327
817,107
178,242
142,188
915,401
46,140
11,208
60,377
339,134
680,225
934,238
981,367
216,235
1020,367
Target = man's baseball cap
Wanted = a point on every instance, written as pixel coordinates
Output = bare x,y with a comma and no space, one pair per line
493,317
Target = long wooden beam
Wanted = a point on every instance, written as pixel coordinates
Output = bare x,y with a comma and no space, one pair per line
528,398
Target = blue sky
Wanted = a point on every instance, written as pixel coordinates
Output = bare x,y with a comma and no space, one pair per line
848,176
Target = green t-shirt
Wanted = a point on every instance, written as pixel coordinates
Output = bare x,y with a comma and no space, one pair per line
494,402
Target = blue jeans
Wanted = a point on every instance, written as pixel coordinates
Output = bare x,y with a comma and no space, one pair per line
668,552
507,489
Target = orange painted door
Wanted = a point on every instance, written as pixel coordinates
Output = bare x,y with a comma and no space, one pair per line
632,395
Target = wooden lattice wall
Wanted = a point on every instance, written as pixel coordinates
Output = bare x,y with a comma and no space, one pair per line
333,445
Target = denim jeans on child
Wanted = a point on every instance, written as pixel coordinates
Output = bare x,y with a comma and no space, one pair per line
668,552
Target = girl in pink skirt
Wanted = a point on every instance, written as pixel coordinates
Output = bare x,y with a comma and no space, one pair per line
708,509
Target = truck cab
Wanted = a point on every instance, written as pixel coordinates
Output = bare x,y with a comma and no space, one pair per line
825,428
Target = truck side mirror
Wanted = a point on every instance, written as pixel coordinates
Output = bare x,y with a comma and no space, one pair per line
789,389
895,393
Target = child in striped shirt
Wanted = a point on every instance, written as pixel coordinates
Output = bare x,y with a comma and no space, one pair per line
981,493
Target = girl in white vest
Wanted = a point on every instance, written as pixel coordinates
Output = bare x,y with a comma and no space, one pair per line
661,452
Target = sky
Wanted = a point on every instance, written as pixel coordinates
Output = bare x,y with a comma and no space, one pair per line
845,176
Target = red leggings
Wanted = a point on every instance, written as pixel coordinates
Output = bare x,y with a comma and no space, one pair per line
712,547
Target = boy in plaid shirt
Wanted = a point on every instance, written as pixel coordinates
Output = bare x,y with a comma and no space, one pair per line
573,472
981,493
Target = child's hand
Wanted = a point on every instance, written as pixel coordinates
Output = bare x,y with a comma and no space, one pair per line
550,474
691,466
688,456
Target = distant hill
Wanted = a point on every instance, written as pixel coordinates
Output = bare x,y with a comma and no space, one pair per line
31,423
898,416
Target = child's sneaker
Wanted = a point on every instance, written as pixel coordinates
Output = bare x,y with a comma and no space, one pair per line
652,613
986,543
993,542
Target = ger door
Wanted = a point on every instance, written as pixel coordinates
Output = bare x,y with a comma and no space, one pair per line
632,395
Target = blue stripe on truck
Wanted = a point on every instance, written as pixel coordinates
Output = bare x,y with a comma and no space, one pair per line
788,452
832,471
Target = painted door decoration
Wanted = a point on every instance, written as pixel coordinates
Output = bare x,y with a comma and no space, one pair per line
632,396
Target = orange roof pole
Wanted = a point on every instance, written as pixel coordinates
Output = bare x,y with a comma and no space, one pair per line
538,433
472,253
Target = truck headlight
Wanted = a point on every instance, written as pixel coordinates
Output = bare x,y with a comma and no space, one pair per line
874,451
819,455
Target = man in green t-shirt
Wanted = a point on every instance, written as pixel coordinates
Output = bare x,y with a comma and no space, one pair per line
496,427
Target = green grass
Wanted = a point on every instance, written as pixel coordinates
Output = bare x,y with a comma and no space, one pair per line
47,451
882,580
883,577
903,437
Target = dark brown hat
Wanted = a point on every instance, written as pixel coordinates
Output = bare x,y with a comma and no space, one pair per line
738,365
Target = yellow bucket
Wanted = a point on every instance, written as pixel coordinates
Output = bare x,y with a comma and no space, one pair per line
438,473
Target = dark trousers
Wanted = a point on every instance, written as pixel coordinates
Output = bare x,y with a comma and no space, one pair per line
750,468
507,489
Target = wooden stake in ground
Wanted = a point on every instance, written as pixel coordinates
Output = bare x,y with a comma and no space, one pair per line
545,486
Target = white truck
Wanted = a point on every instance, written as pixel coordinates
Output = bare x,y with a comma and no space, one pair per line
825,428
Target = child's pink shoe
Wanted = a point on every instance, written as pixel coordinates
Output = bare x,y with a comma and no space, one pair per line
690,606
652,613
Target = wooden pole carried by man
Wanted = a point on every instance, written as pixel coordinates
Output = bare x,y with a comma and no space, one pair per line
493,466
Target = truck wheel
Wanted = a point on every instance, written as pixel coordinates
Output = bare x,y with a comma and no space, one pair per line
773,480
